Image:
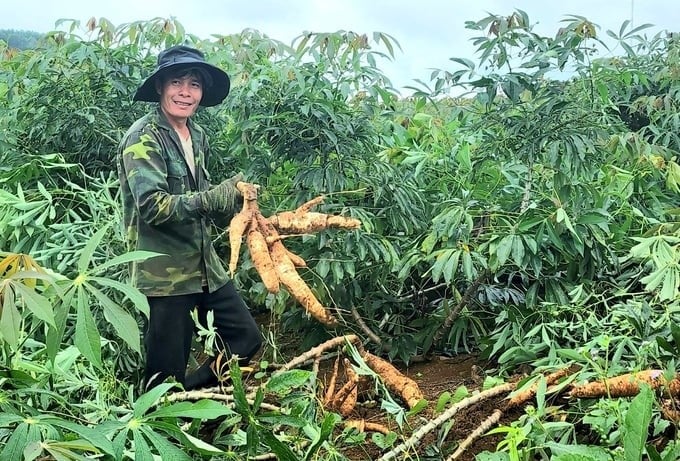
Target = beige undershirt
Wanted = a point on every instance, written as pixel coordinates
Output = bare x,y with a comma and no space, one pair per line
188,153
189,156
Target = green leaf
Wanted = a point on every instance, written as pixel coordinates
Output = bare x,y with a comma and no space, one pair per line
119,442
442,401
240,401
517,250
199,445
138,255
69,450
56,334
669,289
451,266
504,248
90,247
14,446
32,451
203,409
121,320
142,449
87,337
36,303
137,297
568,452
7,419
282,452
283,420
329,422
636,424
675,332
282,383
92,435
10,320
468,267
149,398
169,451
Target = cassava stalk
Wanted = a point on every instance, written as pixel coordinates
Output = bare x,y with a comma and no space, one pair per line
418,435
317,351
464,300
371,335
228,398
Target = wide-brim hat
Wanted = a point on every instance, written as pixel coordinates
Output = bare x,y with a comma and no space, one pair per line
182,56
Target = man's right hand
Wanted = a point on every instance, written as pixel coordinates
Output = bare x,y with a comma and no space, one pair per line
222,198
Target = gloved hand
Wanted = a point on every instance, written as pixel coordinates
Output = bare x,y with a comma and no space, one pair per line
224,197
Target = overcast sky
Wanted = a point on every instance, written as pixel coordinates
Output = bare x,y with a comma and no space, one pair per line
429,31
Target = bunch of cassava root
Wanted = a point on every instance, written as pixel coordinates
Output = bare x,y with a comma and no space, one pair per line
272,260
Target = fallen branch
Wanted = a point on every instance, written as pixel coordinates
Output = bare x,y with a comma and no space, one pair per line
418,435
371,335
482,429
228,398
317,351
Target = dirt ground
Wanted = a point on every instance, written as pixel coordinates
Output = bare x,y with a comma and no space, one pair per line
434,377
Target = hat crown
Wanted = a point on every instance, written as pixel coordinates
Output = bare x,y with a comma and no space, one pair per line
179,54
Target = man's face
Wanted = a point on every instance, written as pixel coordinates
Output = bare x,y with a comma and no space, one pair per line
179,96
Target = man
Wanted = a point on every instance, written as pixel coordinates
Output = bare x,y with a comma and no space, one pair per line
168,202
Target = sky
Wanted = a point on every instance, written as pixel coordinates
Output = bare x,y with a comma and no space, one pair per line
430,32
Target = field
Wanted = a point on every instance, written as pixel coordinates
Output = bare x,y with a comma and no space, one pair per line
515,216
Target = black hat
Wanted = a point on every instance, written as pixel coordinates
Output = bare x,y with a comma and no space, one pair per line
181,56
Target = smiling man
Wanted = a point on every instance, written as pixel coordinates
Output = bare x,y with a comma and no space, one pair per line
168,202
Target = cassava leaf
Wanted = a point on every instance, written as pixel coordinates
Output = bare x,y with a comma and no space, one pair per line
636,424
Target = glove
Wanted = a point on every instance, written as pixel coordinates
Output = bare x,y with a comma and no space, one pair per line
224,197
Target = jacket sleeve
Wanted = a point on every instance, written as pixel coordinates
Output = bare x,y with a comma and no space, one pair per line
146,171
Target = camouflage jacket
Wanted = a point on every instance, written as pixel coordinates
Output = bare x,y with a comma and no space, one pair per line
162,211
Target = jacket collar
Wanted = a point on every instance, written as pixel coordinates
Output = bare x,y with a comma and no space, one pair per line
163,122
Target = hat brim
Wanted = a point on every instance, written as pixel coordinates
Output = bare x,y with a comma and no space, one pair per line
212,95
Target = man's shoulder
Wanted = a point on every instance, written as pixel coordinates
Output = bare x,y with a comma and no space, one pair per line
147,122
147,125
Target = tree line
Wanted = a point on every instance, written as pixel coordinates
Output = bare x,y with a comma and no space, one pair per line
20,39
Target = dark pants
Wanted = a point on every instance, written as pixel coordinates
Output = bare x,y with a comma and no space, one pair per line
170,331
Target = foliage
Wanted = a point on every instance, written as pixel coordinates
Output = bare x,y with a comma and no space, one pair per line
522,206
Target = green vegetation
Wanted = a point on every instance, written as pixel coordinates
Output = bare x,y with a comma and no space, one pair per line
533,219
